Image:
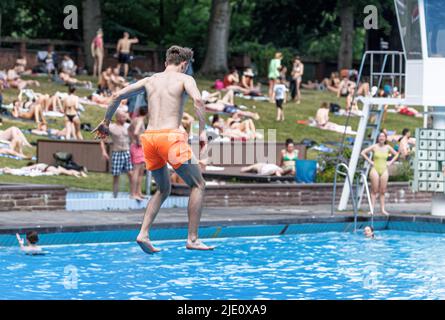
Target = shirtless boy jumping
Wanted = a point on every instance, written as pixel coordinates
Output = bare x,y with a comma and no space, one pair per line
165,141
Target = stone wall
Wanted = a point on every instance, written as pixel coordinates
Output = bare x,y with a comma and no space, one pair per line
240,195
32,197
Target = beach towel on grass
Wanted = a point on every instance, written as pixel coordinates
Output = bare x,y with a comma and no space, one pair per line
15,157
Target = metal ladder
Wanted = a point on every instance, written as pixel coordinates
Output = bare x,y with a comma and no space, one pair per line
360,180
371,119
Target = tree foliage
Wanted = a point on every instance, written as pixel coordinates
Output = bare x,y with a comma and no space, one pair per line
310,28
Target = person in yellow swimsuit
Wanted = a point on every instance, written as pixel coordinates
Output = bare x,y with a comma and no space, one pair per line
379,171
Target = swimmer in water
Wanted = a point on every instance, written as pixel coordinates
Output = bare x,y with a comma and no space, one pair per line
369,232
31,246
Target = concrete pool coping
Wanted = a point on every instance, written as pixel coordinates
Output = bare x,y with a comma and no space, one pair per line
64,221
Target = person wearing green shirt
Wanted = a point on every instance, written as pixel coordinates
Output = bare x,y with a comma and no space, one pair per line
274,71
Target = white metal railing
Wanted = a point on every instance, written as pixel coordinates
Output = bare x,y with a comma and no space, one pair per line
354,196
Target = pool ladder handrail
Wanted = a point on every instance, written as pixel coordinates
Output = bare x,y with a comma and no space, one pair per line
352,195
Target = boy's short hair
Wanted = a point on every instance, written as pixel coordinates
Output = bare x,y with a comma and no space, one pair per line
32,237
176,54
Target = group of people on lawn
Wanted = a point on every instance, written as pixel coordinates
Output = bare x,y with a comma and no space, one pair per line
229,121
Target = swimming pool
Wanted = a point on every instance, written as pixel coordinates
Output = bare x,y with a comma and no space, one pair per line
330,265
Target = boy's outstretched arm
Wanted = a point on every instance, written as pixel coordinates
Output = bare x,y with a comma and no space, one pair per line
133,89
20,241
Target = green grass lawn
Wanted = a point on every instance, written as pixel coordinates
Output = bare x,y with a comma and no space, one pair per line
311,100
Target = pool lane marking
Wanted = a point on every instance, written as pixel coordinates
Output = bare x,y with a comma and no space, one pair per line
217,232
284,230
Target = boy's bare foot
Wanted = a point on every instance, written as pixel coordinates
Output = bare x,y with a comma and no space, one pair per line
385,212
146,245
136,197
197,245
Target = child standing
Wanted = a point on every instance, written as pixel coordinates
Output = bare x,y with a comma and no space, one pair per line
280,96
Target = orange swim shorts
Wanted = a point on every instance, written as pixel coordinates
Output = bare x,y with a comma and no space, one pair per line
162,146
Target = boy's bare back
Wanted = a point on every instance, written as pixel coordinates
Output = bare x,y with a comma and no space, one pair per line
164,94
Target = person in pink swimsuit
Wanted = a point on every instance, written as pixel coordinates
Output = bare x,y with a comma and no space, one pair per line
97,51
136,128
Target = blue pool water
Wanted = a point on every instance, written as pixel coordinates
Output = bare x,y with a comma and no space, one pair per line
398,265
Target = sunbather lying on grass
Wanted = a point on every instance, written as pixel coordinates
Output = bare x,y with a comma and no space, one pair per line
44,169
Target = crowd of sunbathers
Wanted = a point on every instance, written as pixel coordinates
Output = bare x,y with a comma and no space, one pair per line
229,120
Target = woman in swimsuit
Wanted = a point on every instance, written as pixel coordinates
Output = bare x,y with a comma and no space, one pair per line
333,83
351,102
297,74
97,51
248,85
379,171
245,127
12,135
288,157
343,88
72,120
28,110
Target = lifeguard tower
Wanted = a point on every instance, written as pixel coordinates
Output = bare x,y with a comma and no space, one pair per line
419,73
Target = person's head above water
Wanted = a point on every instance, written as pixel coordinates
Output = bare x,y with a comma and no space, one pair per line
178,56
369,232
32,237
126,35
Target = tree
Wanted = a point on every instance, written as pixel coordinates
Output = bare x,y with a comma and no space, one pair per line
92,21
346,14
215,61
